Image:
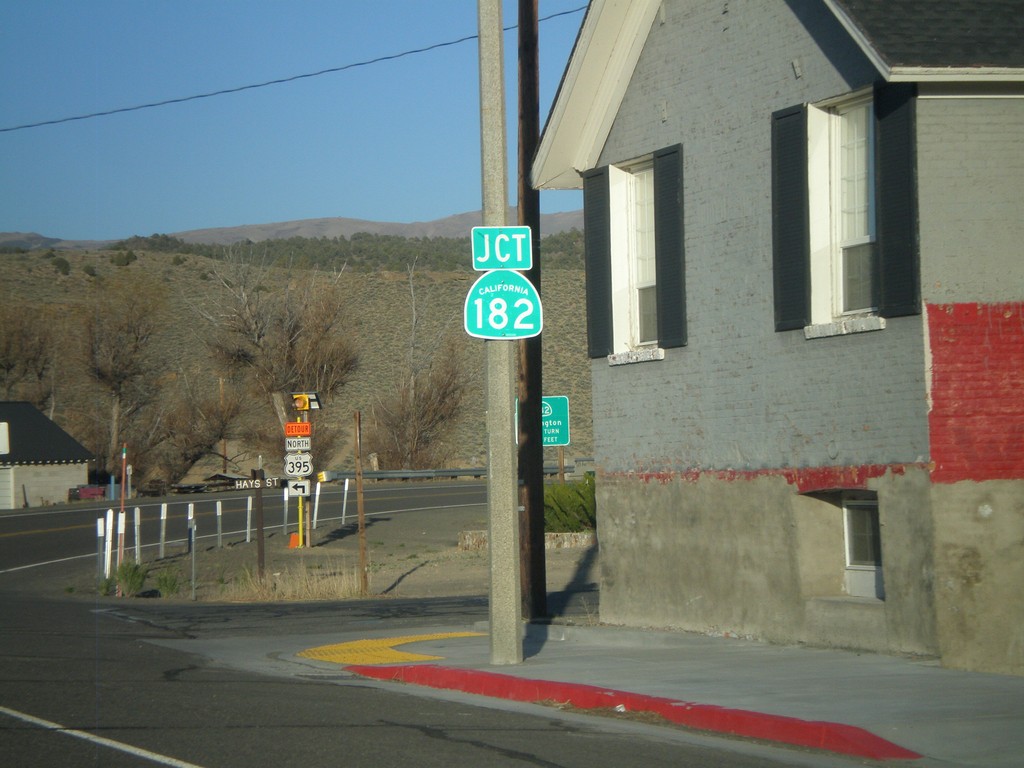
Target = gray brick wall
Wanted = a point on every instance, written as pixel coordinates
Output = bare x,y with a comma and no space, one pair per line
740,395
971,177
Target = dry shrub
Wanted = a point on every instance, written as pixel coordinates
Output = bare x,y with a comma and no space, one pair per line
304,581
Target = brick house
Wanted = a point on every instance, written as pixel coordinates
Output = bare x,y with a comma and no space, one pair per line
39,461
805,303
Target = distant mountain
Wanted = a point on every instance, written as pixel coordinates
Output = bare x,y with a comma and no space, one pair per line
458,225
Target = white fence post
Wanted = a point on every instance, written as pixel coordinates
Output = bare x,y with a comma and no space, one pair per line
138,532
109,543
163,528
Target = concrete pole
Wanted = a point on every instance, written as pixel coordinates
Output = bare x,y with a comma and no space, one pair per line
502,476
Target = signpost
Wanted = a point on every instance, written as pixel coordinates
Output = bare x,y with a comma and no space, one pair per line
502,304
298,464
293,444
299,488
298,459
554,418
502,248
256,483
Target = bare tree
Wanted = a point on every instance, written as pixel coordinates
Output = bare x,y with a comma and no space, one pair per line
408,425
195,424
26,354
118,329
286,333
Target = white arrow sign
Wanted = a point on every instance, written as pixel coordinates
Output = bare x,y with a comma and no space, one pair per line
299,487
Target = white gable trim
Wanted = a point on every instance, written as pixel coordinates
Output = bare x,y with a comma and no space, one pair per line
859,38
606,52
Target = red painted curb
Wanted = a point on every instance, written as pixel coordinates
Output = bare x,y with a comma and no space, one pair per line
833,737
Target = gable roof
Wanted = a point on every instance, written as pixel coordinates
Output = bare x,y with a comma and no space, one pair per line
909,40
34,439
937,39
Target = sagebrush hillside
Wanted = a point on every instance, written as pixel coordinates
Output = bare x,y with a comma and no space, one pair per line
405,312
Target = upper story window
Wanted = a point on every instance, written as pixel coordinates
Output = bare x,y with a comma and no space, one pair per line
643,272
634,272
855,202
633,222
844,212
842,229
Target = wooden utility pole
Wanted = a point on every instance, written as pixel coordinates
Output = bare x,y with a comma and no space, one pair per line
530,382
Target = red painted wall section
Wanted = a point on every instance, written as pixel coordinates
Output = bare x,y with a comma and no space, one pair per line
977,391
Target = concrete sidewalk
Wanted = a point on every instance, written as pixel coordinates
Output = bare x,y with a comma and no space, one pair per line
911,712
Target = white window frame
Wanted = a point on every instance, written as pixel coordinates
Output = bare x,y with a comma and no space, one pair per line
824,162
862,579
625,274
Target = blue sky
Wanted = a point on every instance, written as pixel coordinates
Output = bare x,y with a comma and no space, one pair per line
392,141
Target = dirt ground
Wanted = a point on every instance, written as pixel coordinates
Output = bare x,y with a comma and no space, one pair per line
407,555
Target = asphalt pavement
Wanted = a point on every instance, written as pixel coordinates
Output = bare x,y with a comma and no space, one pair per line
866,706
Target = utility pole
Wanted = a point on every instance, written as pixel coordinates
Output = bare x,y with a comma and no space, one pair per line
502,493
530,383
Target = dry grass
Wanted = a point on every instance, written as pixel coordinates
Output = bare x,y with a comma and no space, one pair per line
332,580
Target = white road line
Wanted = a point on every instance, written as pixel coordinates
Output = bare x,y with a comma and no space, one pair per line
119,746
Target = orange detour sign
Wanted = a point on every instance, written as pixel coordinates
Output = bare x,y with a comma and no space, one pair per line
298,429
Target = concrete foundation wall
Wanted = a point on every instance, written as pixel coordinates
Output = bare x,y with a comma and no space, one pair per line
979,535
753,558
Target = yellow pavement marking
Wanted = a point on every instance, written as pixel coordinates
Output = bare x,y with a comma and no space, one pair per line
379,651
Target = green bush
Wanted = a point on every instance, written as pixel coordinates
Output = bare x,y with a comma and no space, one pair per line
130,577
123,258
61,265
168,582
570,507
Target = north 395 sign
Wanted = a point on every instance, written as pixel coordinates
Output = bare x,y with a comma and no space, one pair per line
298,464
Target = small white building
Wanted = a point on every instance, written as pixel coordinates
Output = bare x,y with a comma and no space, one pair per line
39,461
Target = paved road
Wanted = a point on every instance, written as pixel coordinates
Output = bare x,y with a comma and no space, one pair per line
81,686
32,537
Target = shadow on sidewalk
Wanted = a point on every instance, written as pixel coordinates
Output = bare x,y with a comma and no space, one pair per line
580,599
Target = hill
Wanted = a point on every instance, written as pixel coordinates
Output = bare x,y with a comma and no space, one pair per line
381,305
456,226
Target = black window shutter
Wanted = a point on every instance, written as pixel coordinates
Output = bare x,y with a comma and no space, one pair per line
791,249
669,253
896,185
597,257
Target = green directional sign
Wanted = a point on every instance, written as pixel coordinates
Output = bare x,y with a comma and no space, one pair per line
502,248
503,304
554,420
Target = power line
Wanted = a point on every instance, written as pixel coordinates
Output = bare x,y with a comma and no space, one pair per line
278,81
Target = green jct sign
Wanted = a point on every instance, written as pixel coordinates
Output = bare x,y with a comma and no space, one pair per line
503,305
502,248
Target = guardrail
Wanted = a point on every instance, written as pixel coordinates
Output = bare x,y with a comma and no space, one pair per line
431,474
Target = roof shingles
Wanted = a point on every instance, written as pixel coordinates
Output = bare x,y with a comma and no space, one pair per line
34,439
942,33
